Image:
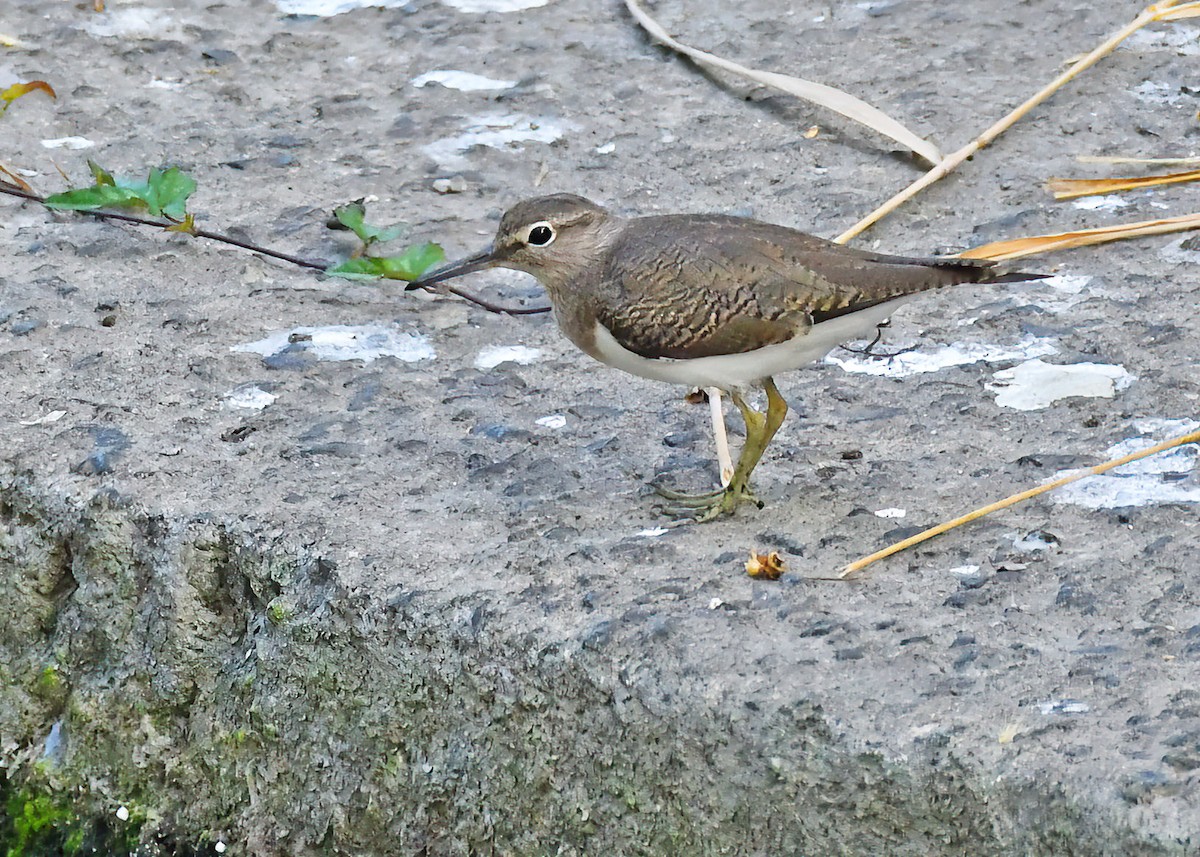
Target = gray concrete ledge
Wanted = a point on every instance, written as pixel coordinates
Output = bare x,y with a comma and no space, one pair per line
396,611
241,693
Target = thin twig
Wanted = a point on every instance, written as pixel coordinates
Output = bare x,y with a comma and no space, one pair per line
254,248
858,565
717,415
12,190
484,303
1155,12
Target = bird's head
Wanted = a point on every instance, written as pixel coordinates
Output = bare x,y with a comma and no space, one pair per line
554,238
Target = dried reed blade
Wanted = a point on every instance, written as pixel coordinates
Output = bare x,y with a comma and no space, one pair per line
1075,188
1178,13
1157,162
1017,248
858,565
818,93
717,414
1152,13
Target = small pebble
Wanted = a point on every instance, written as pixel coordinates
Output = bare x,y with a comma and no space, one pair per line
454,184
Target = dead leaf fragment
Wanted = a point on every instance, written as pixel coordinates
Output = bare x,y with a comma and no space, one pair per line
7,176
12,93
1009,732
186,226
765,566
818,93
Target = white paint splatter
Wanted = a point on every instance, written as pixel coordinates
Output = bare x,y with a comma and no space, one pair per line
1155,92
1035,384
1168,477
464,81
476,6
133,23
53,745
554,421
494,355
1178,39
498,131
1174,251
1063,706
933,359
52,417
249,397
1107,202
326,8
68,143
365,342
1164,428
891,513
606,149
1065,291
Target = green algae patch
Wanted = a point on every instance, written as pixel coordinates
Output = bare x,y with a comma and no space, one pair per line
50,687
39,824
48,823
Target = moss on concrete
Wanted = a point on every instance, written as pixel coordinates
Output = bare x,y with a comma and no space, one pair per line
344,725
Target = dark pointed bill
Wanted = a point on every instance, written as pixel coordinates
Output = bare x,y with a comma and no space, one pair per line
469,265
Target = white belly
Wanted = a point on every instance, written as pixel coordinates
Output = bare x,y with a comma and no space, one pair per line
733,371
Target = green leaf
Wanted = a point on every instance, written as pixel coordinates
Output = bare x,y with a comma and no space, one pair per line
409,265
383,234
353,216
101,175
167,192
164,192
95,197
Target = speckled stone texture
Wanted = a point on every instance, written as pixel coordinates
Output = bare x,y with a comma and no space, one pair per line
392,613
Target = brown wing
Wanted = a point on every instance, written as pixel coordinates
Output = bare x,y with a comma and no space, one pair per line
687,286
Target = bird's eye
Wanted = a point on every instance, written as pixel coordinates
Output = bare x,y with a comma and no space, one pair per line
540,234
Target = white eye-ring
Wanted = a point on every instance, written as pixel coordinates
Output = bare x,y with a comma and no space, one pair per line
540,234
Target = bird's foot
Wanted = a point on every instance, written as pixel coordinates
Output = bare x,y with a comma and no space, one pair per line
707,506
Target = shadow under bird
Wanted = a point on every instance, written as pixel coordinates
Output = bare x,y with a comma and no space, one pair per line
707,300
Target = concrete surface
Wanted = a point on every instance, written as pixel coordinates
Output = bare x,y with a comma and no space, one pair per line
391,612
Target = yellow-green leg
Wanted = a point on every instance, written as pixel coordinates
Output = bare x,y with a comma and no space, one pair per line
760,429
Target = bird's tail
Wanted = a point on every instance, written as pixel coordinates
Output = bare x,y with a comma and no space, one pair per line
1016,277
981,270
